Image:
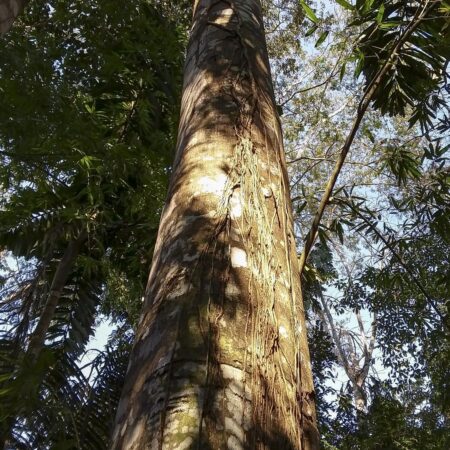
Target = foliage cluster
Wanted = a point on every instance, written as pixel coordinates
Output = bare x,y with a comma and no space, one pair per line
89,97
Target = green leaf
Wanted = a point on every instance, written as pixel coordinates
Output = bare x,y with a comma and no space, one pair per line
390,24
322,37
301,207
359,65
309,12
367,5
444,8
345,4
342,71
311,30
380,14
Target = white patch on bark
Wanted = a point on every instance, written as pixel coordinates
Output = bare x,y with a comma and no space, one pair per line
209,158
235,206
238,257
276,172
172,425
209,185
360,406
154,444
283,280
239,388
283,331
146,332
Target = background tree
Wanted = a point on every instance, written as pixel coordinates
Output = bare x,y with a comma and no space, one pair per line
82,191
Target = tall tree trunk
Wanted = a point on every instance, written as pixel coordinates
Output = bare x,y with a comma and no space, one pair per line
221,357
9,10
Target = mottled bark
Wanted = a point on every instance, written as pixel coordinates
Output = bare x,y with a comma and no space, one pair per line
221,357
9,10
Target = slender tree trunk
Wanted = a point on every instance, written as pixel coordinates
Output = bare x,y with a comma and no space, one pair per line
60,278
9,10
221,357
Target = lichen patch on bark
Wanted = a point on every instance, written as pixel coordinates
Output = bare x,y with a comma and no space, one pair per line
238,257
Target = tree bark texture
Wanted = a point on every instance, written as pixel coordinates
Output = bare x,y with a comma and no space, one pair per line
9,10
221,357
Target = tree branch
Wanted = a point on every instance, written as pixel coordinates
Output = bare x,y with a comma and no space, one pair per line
60,278
361,110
